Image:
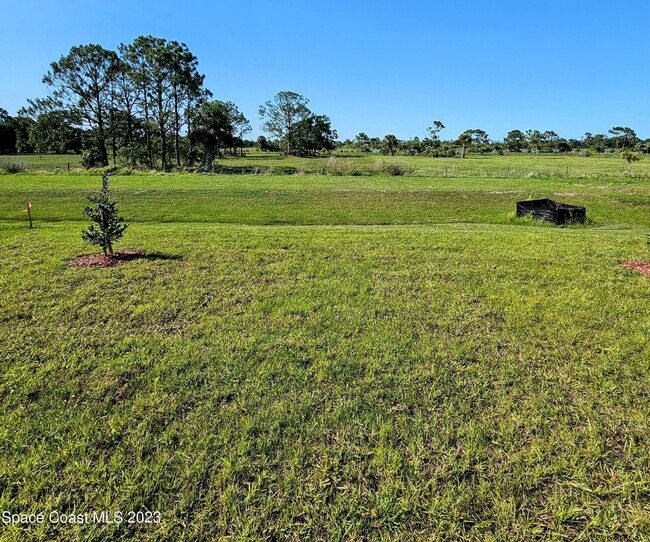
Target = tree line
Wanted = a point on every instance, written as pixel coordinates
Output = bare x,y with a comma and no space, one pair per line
146,105
478,141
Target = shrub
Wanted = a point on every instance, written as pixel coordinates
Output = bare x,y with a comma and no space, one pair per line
590,152
630,156
110,228
91,158
334,166
443,150
392,168
13,167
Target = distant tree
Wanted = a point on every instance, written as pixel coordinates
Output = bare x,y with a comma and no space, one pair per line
625,137
630,138
110,227
241,126
435,130
464,140
390,144
574,144
282,114
414,147
212,129
535,139
563,145
314,134
80,84
515,141
644,146
549,140
135,66
616,132
21,125
125,124
472,138
363,142
53,132
594,142
441,150
166,76
7,133
262,143
187,90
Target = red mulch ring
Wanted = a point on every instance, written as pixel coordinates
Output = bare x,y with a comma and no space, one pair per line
119,257
641,267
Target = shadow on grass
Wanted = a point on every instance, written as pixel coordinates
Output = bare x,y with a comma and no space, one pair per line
252,170
161,256
118,258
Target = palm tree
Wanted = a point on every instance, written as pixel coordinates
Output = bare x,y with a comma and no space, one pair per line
390,142
211,128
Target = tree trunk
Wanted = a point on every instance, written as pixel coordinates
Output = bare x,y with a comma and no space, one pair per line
163,146
161,130
113,140
190,161
101,140
112,121
147,132
101,144
209,160
177,128
462,151
129,128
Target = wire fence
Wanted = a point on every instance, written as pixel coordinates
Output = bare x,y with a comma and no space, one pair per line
566,172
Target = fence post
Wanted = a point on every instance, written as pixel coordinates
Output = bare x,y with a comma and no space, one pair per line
68,167
446,171
566,173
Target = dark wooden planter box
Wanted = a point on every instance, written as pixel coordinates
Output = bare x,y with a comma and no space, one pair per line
551,211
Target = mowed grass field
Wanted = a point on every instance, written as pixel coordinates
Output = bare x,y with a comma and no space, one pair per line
517,165
513,165
305,357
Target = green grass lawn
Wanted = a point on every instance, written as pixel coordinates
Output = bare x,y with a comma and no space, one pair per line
323,358
318,199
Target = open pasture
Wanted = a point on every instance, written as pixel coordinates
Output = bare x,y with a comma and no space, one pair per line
513,165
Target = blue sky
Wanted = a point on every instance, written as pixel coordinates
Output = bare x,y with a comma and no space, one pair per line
379,67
